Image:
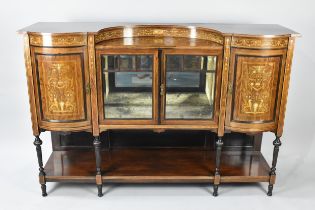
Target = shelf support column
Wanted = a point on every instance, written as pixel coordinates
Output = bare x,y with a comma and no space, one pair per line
97,146
217,177
223,105
38,142
277,143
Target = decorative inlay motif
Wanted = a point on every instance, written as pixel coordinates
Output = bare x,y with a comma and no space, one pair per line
61,87
109,34
255,83
158,32
256,88
92,70
208,35
225,72
58,40
171,32
248,42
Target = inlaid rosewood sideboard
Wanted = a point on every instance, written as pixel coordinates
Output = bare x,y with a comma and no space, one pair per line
154,103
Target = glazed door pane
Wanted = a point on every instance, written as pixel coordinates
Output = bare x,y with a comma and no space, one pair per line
190,86
127,86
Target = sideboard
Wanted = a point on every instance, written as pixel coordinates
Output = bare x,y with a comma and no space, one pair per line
216,86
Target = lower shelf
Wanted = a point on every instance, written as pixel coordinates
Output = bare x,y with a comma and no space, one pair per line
156,166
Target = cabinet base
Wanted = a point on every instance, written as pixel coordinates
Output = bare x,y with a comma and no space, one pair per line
157,166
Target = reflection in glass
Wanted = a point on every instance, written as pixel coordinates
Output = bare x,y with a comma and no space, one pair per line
190,83
127,86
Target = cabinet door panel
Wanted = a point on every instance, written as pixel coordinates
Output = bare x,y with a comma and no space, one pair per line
189,83
254,88
61,80
127,86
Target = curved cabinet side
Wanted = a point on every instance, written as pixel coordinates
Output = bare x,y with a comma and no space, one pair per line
30,85
255,84
61,87
285,88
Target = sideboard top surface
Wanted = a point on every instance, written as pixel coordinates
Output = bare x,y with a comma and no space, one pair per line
94,27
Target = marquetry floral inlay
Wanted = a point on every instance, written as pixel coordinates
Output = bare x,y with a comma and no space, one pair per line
256,88
61,88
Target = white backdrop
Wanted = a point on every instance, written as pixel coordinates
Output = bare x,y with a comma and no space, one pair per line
18,181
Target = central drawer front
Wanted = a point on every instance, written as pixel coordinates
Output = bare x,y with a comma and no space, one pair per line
255,85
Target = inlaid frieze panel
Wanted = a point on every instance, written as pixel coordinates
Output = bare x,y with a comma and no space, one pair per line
61,85
256,84
159,31
58,40
254,42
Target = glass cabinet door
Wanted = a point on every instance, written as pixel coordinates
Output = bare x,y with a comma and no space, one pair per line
188,85
128,84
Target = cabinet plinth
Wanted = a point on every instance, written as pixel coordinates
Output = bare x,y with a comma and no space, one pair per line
164,165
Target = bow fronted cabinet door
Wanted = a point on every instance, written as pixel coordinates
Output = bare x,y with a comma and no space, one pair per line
61,87
254,89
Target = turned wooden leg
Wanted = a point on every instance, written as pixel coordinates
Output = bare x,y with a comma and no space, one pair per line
216,182
277,144
38,142
98,157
